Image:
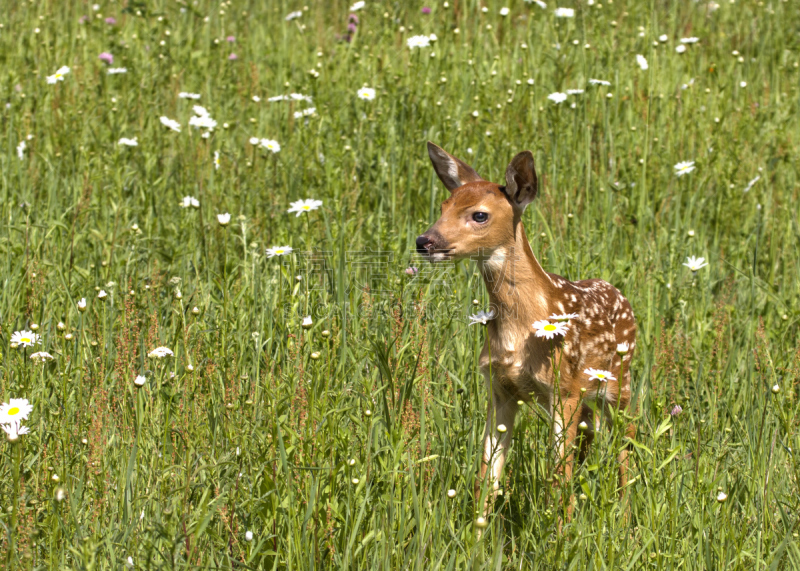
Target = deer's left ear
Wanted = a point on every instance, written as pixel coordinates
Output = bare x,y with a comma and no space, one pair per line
521,183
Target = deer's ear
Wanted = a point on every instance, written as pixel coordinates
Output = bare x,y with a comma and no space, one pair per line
453,172
521,183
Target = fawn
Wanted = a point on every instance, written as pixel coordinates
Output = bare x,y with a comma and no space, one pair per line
483,221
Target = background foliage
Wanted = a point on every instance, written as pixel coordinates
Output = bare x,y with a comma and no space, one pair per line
337,450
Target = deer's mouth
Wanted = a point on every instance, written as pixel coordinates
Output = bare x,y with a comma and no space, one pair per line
439,255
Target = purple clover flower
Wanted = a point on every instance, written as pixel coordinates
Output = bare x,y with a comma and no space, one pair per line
111,21
426,10
106,57
233,57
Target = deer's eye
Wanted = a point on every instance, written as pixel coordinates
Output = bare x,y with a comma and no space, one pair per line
480,217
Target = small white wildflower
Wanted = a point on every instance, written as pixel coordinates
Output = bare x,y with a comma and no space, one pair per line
752,183
418,42
117,70
357,6
549,330
170,124
680,48
623,348
41,356
684,167
366,93
224,219
695,264
21,150
599,375
140,380
293,15
564,13
124,141
185,95
190,201
691,40
640,59
306,205
160,353
663,38
481,317
599,82
278,251
58,75
271,145
557,97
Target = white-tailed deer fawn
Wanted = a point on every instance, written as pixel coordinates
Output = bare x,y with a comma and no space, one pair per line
482,221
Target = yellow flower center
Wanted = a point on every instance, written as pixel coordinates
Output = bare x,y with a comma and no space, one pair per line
13,411
601,376
25,339
306,208
549,327
279,251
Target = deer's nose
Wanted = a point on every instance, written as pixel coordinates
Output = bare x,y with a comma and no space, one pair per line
423,244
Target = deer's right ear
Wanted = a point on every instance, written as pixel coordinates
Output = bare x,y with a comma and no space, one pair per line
521,182
453,172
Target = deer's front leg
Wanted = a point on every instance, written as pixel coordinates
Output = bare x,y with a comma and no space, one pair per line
501,413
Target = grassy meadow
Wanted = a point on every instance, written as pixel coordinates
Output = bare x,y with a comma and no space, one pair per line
353,442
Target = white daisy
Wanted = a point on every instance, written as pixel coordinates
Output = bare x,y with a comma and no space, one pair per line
366,93
623,348
695,264
160,353
557,97
574,91
599,82
102,294
82,304
117,70
271,145
752,183
256,98
539,3
140,380
691,40
680,48
293,15
15,410
549,330
204,121
279,251
357,6
564,13
481,317
25,338
684,167
224,219
58,75
504,12
640,59
599,375
305,112
185,95
663,38
14,430
306,205
248,535
128,142
418,42
190,201
216,160
21,150
563,316
171,124
254,140
41,356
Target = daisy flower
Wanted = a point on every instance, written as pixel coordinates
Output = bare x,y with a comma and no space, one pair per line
224,219
117,70
271,145
306,205
366,93
623,348
140,380
418,42
564,13
170,124
642,61
549,330
41,356
185,95
102,294
563,316
279,251
82,304
663,38
190,201
14,430
21,150
574,91
204,121
25,338
539,3
695,264
305,112
557,97
680,49
293,15
357,6
599,375
691,40
307,322
128,142
160,353
15,410
599,82
254,140
684,167
504,12
481,317
58,75
216,160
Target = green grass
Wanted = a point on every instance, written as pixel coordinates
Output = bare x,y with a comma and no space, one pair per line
257,428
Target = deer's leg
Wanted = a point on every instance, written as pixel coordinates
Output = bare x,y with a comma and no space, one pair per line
566,416
501,411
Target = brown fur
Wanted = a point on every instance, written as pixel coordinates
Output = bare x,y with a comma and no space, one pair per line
521,292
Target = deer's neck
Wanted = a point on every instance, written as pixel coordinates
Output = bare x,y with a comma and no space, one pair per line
519,289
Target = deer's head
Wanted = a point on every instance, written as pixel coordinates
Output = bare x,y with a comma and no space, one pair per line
479,219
